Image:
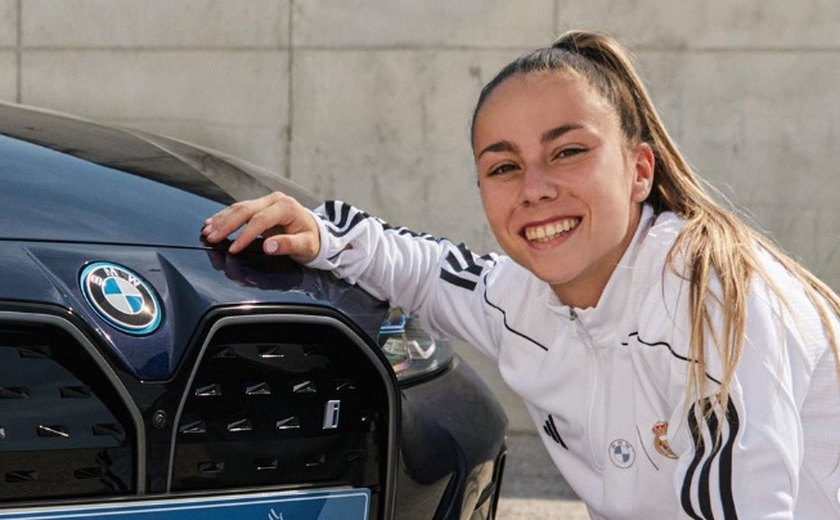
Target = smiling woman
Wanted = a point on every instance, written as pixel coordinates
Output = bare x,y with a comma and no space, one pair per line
671,355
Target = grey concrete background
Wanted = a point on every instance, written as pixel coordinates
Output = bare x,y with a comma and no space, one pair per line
370,100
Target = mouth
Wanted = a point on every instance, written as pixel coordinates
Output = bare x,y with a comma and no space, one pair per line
550,230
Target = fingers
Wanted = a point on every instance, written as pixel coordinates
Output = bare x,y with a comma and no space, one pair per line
300,247
219,226
288,226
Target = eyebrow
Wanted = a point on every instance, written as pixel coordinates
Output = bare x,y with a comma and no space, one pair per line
547,137
554,133
500,146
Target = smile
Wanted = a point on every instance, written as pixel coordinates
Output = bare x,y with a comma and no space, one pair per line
546,232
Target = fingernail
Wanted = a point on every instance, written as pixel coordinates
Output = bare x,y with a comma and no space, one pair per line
270,246
208,221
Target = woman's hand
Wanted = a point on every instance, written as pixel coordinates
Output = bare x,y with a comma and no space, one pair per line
288,228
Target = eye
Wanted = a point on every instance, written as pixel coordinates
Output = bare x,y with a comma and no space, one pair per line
502,169
569,151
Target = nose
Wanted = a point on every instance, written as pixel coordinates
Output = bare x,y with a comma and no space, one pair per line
537,186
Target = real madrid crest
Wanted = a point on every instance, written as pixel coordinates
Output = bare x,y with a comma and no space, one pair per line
660,440
121,297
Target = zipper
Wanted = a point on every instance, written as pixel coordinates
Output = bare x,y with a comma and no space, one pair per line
593,410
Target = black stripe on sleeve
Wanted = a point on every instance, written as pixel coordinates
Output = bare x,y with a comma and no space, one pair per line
461,264
329,206
472,267
726,497
358,217
704,484
452,260
456,280
345,212
699,449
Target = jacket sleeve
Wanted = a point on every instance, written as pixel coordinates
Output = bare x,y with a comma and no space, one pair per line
741,459
442,283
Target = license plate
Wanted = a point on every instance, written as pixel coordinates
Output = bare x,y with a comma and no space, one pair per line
350,504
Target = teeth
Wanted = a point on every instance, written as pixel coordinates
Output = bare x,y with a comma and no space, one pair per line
551,230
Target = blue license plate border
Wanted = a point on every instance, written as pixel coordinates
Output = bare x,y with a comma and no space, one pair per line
321,504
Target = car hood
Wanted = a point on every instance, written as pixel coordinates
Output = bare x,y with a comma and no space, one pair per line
67,179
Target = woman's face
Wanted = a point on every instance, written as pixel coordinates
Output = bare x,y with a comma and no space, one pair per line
560,186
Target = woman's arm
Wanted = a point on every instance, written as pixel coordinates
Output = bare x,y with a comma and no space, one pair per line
441,282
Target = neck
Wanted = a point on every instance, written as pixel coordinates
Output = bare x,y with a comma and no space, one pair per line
586,289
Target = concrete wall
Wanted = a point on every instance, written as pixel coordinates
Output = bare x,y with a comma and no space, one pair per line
370,100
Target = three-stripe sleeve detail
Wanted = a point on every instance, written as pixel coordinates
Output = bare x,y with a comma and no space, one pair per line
337,214
699,449
699,485
460,267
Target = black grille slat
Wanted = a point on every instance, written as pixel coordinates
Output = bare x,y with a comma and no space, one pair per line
20,477
34,352
113,429
14,392
242,425
194,428
87,473
74,392
211,390
52,431
211,467
266,464
289,423
258,389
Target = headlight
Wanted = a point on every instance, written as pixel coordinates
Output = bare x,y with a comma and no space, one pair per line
413,353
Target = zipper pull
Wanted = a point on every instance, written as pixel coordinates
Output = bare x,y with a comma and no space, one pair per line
572,314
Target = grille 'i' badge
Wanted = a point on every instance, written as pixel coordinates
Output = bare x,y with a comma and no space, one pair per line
121,297
331,414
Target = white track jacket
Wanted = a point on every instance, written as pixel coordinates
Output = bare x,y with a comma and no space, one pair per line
606,386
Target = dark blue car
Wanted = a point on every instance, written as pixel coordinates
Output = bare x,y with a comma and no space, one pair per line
146,374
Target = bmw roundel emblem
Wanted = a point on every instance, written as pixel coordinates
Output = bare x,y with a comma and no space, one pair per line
622,453
121,297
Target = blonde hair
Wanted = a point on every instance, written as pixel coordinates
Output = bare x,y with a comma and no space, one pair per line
713,239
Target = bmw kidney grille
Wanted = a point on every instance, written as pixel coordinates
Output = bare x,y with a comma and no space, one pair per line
267,402
281,403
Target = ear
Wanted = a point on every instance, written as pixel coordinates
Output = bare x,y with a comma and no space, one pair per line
644,163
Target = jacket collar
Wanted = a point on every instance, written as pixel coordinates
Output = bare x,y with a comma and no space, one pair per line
601,321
